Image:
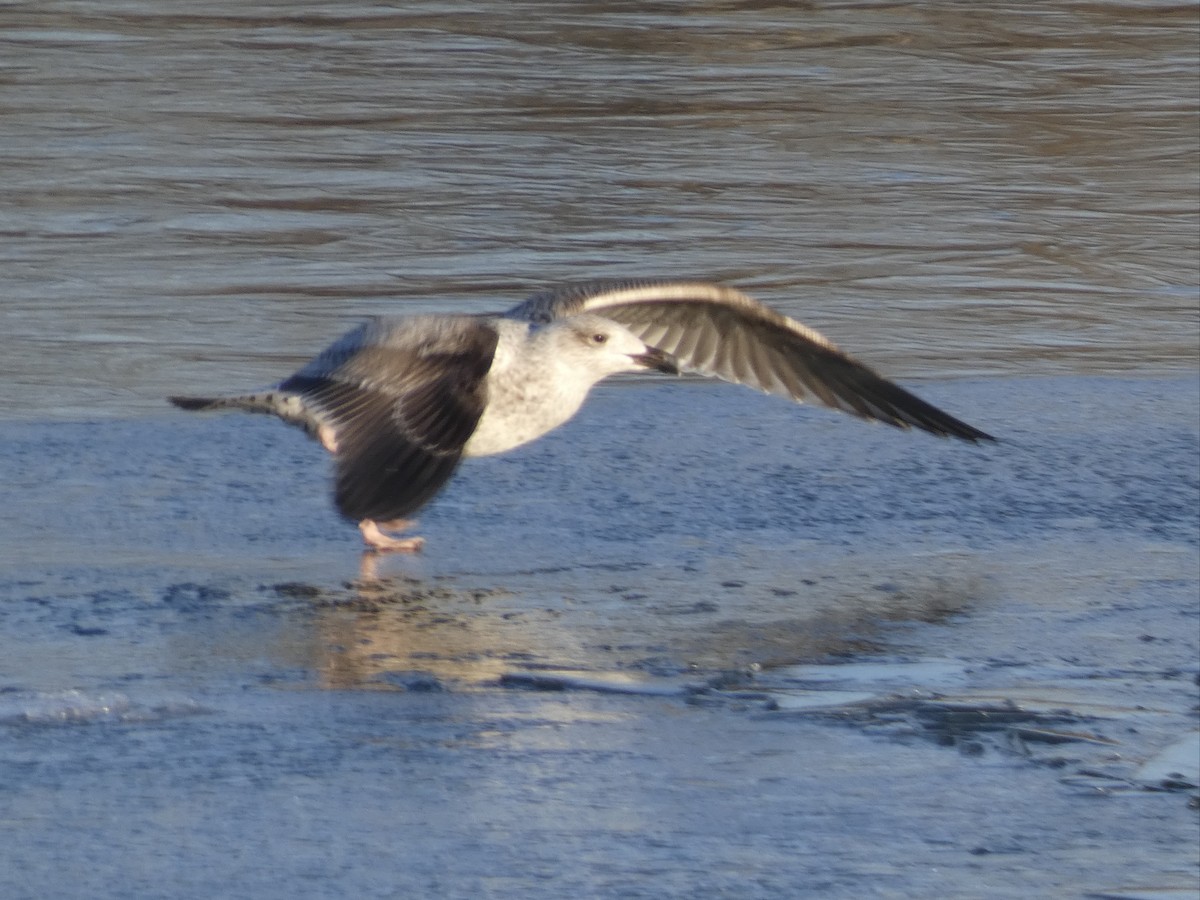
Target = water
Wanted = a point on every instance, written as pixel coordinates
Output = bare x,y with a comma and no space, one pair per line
204,690
200,694
200,196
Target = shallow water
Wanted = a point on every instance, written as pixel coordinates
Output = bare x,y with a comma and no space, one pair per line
698,643
781,654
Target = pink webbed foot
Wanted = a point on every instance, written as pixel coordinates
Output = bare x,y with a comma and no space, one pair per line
376,540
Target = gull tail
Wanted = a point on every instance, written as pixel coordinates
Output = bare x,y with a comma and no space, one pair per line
268,402
289,407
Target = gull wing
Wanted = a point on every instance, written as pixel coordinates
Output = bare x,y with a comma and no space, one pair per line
402,397
716,330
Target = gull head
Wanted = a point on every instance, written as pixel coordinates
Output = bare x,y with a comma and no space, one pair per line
604,347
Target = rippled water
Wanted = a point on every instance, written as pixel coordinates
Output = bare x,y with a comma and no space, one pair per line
201,194
205,692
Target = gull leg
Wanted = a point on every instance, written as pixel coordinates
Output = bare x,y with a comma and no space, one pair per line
375,539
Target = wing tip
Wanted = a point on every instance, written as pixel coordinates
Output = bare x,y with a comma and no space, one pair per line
946,426
968,434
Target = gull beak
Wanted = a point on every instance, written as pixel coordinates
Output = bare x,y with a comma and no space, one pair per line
655,359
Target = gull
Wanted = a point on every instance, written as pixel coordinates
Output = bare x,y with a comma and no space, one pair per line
400,401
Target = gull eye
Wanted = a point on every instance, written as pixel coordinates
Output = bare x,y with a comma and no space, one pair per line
599,338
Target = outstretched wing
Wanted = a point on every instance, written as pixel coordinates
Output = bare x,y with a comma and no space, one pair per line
716,330
402,397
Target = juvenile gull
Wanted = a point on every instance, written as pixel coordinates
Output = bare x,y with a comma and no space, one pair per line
399,402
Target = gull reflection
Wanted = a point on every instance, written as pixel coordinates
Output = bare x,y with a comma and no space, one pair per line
405,632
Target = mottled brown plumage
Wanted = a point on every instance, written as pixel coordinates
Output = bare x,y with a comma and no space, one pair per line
400,401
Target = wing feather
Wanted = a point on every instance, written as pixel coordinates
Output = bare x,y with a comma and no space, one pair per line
718,331
403,397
